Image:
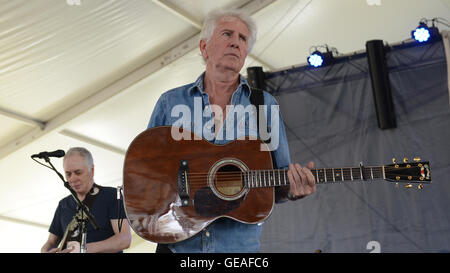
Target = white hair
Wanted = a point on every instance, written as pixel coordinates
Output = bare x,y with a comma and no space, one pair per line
84,153
214,16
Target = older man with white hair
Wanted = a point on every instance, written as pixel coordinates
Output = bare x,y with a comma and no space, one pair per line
101,201
226,39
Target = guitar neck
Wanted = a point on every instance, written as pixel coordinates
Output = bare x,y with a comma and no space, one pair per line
279,177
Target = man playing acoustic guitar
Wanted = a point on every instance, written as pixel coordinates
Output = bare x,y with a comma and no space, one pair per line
226,39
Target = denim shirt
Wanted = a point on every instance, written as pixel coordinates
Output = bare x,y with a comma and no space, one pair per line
188,107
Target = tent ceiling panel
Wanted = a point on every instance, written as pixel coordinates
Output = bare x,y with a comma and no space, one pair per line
197,9
65,53
11,128
31,237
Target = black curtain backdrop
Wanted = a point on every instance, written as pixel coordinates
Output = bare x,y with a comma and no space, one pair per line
330,119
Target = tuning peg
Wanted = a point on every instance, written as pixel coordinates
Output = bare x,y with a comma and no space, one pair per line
405,160
394,160
416,159
420,187
408,186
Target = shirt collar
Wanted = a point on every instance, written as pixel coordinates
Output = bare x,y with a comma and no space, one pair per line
198,85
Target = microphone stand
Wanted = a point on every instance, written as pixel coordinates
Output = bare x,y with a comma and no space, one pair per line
80,206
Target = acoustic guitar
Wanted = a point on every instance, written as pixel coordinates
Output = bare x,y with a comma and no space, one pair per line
175,188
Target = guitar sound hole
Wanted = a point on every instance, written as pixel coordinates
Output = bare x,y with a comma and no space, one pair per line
228,180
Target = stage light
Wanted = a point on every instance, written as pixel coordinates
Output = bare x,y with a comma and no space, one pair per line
315,59
423,33
318,59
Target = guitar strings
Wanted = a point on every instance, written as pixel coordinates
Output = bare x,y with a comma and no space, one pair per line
277,173
318,171
242,177
238,181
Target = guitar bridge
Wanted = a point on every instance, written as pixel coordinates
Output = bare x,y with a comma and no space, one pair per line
183,187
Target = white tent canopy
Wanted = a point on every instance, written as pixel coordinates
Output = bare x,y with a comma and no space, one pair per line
88,73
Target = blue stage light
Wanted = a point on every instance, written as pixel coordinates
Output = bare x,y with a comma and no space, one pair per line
424,34
421,33
316,59
320,58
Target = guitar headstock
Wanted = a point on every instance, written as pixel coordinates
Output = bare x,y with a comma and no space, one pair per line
409,172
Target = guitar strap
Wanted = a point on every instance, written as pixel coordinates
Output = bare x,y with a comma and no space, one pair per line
73,234
93,193
257,99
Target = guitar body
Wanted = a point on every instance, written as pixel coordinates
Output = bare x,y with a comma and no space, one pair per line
214,185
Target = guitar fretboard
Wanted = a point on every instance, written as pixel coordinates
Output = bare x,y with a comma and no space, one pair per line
273,178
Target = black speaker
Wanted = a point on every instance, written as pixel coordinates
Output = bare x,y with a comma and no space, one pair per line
381,87
256,77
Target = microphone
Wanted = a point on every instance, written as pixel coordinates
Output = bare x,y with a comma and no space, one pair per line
57,153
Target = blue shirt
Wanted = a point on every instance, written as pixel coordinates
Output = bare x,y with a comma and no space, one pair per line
188,107
103,209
